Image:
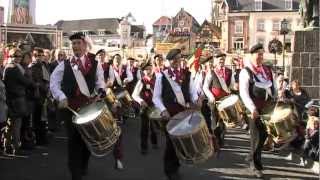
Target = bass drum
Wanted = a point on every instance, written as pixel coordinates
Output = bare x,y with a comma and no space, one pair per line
97,128
190,137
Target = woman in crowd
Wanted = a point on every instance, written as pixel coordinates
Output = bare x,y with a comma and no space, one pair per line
298,96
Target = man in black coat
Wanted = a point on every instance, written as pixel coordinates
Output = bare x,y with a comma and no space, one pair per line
16,84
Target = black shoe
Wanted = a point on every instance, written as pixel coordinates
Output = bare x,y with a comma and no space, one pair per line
259,166
174,176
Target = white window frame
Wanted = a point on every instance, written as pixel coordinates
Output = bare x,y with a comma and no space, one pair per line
273,25
261,40
288,4
186,29
238,43
261,25
177,29
258,5
238,23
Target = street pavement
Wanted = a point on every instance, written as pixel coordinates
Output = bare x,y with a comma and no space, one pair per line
51,163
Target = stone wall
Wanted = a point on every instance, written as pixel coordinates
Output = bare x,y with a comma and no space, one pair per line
305,61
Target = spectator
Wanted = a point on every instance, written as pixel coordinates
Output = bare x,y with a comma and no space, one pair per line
16,84
298,96
3,111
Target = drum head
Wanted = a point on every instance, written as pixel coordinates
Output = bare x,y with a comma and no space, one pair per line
227,102
281,112
184,123
89,112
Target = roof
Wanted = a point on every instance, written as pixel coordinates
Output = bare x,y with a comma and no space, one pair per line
195,22
267,5
214,28
163,20
109,24
138,29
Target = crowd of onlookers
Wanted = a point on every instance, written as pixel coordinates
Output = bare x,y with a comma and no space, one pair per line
27,110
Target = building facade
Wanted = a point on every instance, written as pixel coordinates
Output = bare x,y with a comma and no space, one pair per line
247,22
111,34
209,34
161,29
184,31
1,15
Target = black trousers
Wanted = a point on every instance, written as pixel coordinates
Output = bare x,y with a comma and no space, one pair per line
146,127
171,161
78,153
40,126
206,112
258,135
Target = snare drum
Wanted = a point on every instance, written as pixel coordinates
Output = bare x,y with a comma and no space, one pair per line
154,114
230,110
97,128
126,101
190,137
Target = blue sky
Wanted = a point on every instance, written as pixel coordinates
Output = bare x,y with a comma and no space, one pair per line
145,11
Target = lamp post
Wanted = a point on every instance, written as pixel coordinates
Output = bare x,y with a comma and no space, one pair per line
284,30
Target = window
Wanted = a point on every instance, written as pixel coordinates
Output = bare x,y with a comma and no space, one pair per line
260,25
181,23
288,4
276,25
101,32
238,43
260,41
177,30
238,27
258,5
185,29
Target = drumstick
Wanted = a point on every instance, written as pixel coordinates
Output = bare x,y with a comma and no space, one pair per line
73,111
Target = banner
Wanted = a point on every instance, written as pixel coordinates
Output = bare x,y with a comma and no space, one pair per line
164,48
22,11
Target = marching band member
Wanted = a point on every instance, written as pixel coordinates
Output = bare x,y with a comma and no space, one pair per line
143,95
71,91
107,68
122,73
136,74
256,89
171,96
122,76
158,63
207,64
216,86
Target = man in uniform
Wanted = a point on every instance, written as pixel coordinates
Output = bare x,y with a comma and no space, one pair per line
171,96
142,94
73,93
216,86
256,83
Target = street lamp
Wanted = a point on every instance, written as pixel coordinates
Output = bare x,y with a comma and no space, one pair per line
284,30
